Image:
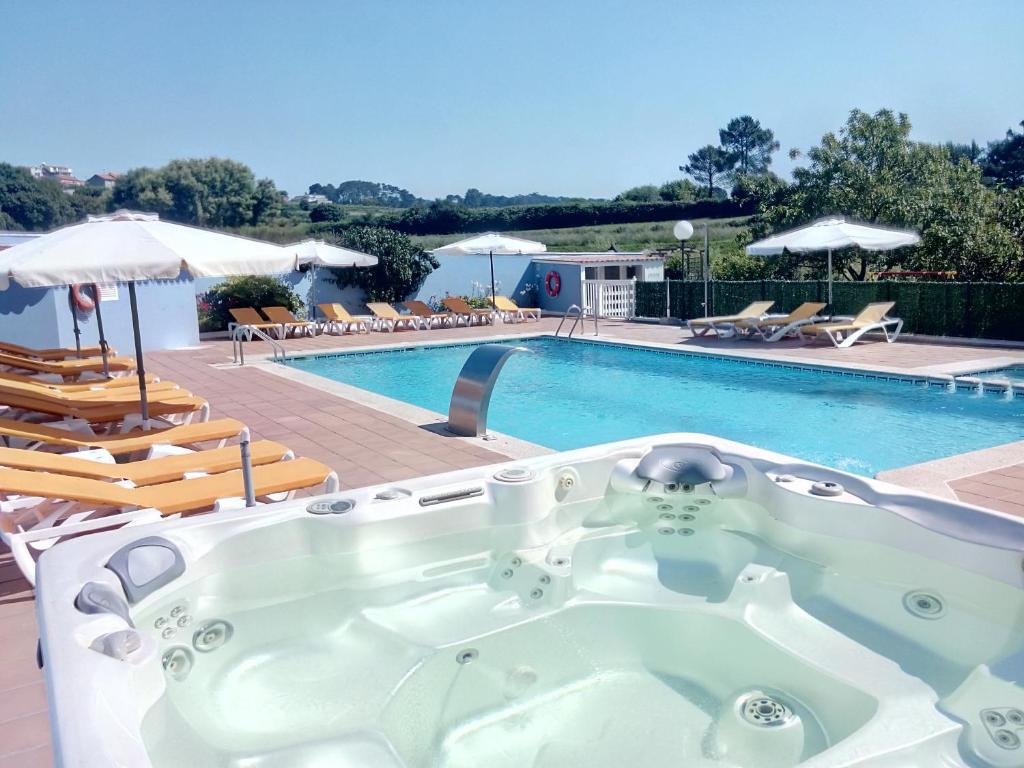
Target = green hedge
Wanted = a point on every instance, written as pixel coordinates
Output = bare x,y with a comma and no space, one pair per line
975,310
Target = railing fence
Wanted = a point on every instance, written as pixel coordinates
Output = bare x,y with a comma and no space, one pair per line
610,298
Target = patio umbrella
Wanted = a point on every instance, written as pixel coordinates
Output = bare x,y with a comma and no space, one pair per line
128,246
490,243
832,234
317,253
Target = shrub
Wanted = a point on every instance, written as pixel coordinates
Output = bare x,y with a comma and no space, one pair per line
401,266
261,291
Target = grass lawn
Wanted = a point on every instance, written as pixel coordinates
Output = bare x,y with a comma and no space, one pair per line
625,237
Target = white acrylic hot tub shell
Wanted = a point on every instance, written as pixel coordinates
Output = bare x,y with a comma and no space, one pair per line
97,702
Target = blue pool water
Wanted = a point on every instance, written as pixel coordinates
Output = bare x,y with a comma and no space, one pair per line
570,394
1015,373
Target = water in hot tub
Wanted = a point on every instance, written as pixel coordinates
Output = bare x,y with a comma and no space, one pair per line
611,644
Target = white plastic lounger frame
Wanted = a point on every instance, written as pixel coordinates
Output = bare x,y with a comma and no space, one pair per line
70,518
771,333
838,341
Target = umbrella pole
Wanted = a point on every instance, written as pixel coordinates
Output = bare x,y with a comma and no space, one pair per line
492,280
99,327
139,366
74,322
247,484
706,270
830,307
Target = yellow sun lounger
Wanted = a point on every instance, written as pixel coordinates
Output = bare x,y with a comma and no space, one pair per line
338,319
128,388
723,324
79,386
388,318
512,312
249,319
428,316
164,469
34,436
776,327
845,332
68,369
103,411
289,322
462,311
41,507
55,353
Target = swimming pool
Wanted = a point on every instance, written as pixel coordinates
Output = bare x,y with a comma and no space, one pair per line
1015,374
570,394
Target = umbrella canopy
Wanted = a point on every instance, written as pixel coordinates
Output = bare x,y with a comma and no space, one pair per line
128,246
490,243
832,234
317,253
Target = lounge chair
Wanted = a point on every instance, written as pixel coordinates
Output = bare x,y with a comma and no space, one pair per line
775,327
509,311
102,406
338,320
387,317
164,469
55,353
428,316
77,386
60,505
844,332
65,438
723,325
249,319
462,311
68,369
289,323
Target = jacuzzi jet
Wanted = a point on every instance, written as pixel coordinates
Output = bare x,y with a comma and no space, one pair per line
666,531
466,655
924,605
766,711
1006,739
1015,716
687,517
177,662
211,636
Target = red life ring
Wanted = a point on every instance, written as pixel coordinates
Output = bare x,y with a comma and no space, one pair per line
83,301
552,283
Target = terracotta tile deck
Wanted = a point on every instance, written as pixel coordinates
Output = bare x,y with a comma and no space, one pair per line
367,446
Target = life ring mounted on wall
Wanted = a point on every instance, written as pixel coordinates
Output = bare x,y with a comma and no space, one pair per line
83,300
553,283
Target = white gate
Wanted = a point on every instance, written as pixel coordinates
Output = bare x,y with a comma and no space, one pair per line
610,298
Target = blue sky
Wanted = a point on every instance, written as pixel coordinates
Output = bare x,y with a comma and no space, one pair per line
574,97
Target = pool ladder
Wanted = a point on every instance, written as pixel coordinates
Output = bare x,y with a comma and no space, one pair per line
238,348
579,317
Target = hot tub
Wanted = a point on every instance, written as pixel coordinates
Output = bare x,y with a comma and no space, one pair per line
678,600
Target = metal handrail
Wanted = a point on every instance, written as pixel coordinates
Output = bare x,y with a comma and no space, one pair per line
577,321
238,349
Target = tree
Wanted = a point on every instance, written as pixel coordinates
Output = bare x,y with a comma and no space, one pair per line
647,193
401,267
247,291
678,191
1004,160
32,204
707,164
212,192
873,171
749,143
957,152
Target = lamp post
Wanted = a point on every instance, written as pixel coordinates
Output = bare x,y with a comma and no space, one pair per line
683,231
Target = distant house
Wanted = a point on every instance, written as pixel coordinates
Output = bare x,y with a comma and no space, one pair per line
311,200
103,180
62,174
